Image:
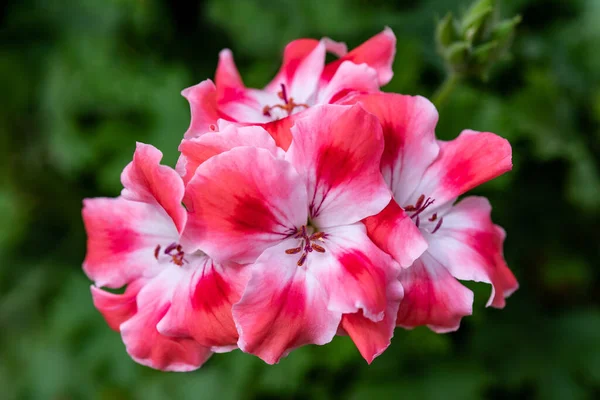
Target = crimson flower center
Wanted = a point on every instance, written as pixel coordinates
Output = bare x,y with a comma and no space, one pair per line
307,245
288,103
174,251
421,205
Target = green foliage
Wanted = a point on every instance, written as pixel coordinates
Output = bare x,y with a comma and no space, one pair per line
86,79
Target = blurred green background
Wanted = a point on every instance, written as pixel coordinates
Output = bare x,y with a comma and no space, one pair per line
82,80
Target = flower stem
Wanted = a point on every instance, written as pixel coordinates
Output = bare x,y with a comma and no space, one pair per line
441,95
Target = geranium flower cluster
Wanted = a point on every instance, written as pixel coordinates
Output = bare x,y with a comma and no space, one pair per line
315,207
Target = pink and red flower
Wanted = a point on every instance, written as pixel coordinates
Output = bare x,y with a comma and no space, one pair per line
314,207
134,240
426,176
302,82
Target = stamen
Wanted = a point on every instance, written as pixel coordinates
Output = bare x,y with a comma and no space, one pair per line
318,248
170,248
439,224
156,251
294,250
283,94
420,201
288,103
306,246
302,259
433,217
418,221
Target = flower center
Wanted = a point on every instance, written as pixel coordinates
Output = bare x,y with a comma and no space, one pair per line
420,206
174,251
288,103
307,245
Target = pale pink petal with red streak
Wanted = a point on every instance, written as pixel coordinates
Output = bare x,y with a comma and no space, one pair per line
394,232
336,151
354,272
303,62
143,341
283,307
202,304
470,247
203,108
348,78
408,124
372,338
145,180
469,160
121,238
432,297
117,308
241,202
196,151
378,52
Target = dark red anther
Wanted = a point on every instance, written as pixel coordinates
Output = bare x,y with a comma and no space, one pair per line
417,221
156,251
318,248
317,236
439,224
302,259
169,249
433,217
283,94
420,201
267,111
294,250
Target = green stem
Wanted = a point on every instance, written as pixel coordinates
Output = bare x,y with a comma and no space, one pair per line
441,95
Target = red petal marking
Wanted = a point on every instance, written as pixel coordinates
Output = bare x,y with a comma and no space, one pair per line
201,305
377,52
336,149
408,124
283,307
432,297
393,231
242,202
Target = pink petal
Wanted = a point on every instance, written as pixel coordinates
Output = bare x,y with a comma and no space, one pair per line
349,77
303,62
227,78
470,246
409,133
283,307
464,163
202,304
395,233
372,338
203,107
336,150
242,202
145,180
117,308
377,52
143,341
281,132
432,297
121,238
354,272
196,151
